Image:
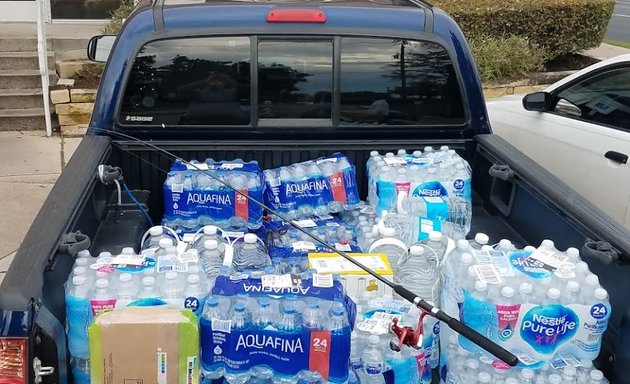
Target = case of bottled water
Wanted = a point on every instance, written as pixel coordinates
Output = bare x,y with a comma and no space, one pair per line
425,191
194,197
289,248
314,187
271,322
539,303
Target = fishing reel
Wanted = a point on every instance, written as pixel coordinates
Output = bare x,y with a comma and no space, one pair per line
407,335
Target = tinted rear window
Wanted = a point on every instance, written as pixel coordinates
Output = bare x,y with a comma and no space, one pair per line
207,81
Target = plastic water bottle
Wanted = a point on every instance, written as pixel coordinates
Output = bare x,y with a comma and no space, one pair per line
373,366
290,319
584,371
149,289
79,315
81,370
386,190
418,271
569,375
211,259
209,232
597,377
480,240
436,243
163,245
526,291
527,376
126,291
340,337
572,294
591,283
171,290
264,315
241,318
484,378
356,353
194,295
250,255
554,379
103,299
313,318
191,220
156,233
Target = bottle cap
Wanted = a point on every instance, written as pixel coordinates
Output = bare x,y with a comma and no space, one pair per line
165,243
374,339
156,231
547,243
264,302
505,244
600,294
78,280
526,288
125,277
596,374
105,254
336,311
586,363
81,262
435,236
402,152
389,154
250,238
374,153
416,250
288,309
388,232
417,153
128,251
527,373
102,283
211,244
462,245
569,371
84,253
573,253
466,258
170,275
193,279
581,267
553,379
484,377
507,292
428,149
148,280
592,280
444,148
481,286
472,363
482,238
553,293
573,286
212,301
79,271
529,248
210,230
239,307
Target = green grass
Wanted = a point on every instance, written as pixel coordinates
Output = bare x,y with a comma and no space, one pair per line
624,44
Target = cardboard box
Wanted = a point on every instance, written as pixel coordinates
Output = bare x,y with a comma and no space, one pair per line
352,276
144,345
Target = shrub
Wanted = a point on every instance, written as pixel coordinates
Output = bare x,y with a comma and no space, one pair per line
558,26
505,56
119,15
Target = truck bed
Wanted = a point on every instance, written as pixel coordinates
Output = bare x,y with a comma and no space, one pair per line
525,204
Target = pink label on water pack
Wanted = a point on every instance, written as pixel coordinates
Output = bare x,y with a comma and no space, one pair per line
403,187
508,317
99,306
338,188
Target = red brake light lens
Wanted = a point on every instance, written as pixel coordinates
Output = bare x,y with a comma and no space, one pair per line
13,355
296,16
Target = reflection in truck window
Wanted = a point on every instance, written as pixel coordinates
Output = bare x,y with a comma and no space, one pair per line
398,82
194,81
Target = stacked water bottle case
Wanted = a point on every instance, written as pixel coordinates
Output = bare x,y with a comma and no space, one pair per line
265,317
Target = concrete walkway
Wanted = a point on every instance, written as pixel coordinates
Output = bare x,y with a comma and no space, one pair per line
606,51
30,163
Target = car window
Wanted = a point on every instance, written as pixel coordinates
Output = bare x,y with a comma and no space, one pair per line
603,98
400,82
295,79
200,81
207,81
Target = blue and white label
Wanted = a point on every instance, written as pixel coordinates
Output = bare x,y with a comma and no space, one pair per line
462,188
192,303
531,267
546,328
599,311
430,189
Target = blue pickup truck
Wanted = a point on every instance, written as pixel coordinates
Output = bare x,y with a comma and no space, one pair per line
282,81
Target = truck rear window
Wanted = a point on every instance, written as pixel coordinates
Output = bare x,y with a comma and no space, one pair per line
250,80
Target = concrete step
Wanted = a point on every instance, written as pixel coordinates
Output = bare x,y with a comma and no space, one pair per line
27,119
23,60
22,44
21,98
23,78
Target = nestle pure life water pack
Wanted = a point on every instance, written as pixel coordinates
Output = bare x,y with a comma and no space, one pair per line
290,328
537,303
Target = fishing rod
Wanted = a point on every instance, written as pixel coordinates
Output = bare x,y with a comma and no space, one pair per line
432,310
